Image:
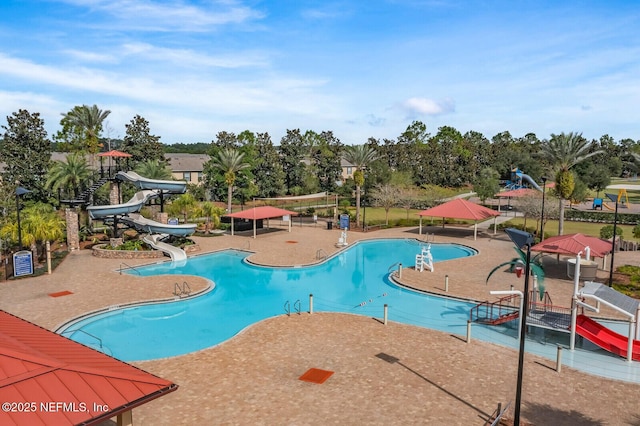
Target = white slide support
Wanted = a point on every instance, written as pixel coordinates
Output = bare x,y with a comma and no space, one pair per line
175,253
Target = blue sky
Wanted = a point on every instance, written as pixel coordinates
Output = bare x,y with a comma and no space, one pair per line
358,68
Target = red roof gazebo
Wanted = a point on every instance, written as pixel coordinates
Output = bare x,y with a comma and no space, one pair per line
460,208
257,213
54,380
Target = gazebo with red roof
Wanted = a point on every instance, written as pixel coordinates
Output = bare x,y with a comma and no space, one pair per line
257,213
460,208
48,379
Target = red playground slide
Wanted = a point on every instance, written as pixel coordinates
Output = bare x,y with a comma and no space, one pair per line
606,338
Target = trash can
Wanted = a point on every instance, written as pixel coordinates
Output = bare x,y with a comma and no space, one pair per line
329,224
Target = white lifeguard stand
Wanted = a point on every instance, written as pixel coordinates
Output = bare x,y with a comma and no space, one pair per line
342,241
424,259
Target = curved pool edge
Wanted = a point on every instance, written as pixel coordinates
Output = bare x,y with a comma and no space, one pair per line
61,328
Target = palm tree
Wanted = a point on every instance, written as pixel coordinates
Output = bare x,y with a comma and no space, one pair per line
40,224
229,161
360,156
69,175
564,151
153,169
89,119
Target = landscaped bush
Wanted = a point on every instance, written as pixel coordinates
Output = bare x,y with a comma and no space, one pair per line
600,216
636,231
130,245
606,232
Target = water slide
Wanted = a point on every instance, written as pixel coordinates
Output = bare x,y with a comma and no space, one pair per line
154,240
128,212
133,205
531,181
142,224
166,186
606,338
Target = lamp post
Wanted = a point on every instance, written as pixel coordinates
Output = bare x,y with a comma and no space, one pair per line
613,198
521,239
20,191
544,187
364,214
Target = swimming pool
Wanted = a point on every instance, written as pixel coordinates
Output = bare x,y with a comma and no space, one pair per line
355,281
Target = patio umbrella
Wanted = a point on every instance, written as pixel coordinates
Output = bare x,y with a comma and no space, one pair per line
573,244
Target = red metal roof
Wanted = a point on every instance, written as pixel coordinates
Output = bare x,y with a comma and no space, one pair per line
114,153
264,212
573,244
48,379
520,192
460,209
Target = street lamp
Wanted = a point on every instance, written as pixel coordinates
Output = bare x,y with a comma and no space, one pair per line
544,187
613,198
521,239
364,213
20,191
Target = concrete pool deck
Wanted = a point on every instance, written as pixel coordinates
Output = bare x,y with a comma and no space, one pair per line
253,378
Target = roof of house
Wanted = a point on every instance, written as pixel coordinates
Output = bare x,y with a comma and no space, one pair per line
187,162
63,382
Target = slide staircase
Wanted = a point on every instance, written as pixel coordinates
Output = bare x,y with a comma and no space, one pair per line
606,338
84,196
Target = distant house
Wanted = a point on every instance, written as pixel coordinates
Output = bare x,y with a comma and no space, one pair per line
187,167
347,169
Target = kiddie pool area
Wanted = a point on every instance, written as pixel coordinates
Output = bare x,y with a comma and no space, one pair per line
356,280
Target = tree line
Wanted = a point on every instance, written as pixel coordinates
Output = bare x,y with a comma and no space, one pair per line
247,165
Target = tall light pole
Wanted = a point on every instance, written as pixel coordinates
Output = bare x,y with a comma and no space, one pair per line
544,187
522,239
613,198
20,191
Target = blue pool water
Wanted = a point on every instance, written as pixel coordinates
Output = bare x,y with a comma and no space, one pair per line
355,281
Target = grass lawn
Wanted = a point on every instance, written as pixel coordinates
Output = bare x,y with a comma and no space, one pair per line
593,229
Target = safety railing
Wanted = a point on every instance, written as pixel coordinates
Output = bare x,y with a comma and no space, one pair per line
500,311
127,268
181,290
321,254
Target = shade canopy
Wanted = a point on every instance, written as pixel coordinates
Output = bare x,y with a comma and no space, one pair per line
460,209
573,244
257,213
114,153
264,212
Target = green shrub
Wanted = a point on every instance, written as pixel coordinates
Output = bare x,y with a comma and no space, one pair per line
606,232
636,231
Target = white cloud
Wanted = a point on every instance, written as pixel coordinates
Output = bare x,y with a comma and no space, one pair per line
173,15
415,107
191,58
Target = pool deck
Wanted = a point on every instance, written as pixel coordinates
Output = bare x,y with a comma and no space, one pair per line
436,378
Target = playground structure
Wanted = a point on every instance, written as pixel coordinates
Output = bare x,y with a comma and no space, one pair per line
623,196
518,180
424,259
127,213
545,314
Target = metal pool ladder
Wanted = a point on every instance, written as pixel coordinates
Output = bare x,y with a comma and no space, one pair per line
181,290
